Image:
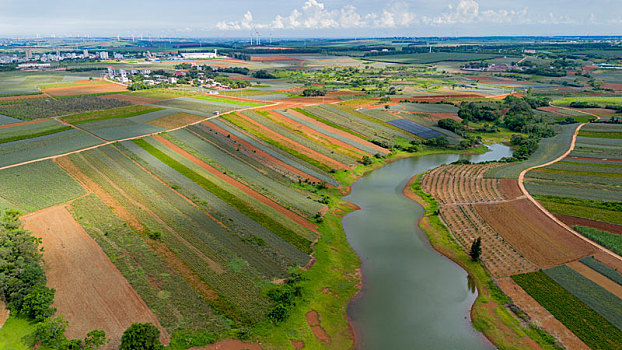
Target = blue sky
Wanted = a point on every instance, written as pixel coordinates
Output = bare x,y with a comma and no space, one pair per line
309,18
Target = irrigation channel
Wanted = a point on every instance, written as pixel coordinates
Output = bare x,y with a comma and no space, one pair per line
412,296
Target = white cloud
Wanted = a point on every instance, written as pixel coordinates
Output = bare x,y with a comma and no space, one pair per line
314,15
468,11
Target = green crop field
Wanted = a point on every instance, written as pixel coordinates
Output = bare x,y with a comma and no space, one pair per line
608,240
587,324
599,100
38,185
583,208
229,101
600,300
602,268
35,109
434,57
24,132
122,112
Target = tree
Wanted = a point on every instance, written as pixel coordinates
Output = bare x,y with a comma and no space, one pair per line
141,336
51,332
94,339
366,160
37,304
476,249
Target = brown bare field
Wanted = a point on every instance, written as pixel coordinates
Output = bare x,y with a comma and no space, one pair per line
274,58
533,234
91,293
176,120
23,97
291,144
599,225
287,213
457,188
614,86
594,276
262,156
137,100
510,188
539,315
599,111
84,89
438,116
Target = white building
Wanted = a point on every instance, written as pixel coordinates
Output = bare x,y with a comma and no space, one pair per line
103,55
200,55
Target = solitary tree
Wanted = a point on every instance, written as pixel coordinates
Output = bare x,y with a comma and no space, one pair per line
476,249
143,336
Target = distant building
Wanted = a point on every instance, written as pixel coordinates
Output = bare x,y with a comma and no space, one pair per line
28,54
103,55
86,53
200,55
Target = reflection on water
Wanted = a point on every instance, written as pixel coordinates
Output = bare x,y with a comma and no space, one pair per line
412,297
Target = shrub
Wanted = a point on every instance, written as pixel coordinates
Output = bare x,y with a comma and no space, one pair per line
141,336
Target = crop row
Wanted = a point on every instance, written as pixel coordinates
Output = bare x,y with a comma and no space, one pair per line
269,150
600,300
29,131
117,129
229,101
202,243
267,135
121,112
350,112
576,176
164,290
573,190
462,184
35,109
206,109
602,268
45,146
608,240
212,154
596,151
497,255
38,185
595,331
300,242
584,208
321,146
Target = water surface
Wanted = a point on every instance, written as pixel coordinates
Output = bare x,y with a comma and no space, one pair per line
412,297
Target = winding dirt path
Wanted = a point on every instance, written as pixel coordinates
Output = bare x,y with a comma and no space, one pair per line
521,184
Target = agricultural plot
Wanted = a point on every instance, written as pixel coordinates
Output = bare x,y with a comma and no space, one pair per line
176,120
602,269
272,157
202,108
37,185
229,101
434,57
224,261
122,112
549,149
117,129
90,292
83,89
600,300
426,107
211,151
321,146
4,120
35,109
457,188
587,324
175,301
29,131
354,124
379,114
583,208
415,129
45,146
611,241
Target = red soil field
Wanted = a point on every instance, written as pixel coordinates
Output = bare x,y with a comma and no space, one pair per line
353,151
261,153
533,234
23,97
289,214
91,293
294,145
599,225
438,116
229,344
510,188
176,120
313,319
614,86
84,89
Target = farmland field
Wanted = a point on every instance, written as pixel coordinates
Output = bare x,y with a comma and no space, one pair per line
35,186
593,329
425,58
121,112
34,109
28,131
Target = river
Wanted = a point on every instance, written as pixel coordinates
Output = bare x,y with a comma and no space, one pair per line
412,296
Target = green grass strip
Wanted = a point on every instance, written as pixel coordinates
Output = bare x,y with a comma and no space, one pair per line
587,324
122,112
601,165
229,101
576,172
299,242
32,136
602,134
